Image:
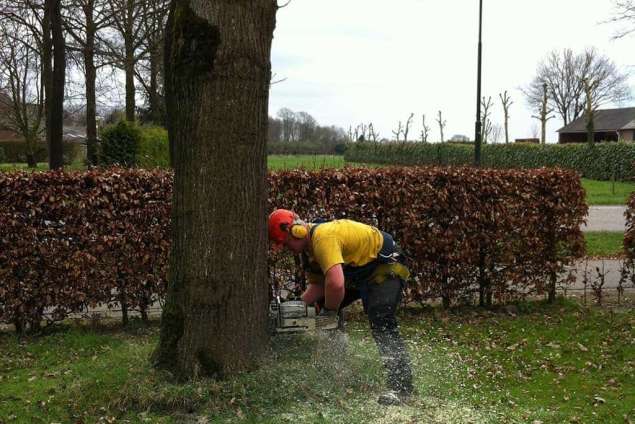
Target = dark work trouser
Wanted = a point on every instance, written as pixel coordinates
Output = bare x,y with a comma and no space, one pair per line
381,302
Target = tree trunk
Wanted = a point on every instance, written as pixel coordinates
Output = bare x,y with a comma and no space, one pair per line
130,88
56,103
47,70
218,70
91,103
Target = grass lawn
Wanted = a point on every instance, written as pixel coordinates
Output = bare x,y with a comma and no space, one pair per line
279,162
604,244
548,363
607,193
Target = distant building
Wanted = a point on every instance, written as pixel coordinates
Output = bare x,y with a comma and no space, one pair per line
609,125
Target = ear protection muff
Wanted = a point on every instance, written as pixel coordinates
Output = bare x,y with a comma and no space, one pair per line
297,229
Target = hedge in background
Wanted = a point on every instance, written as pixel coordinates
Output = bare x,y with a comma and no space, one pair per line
600,161
73,240
154,148
15,152
120,144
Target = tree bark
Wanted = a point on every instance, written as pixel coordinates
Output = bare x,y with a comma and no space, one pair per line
218,70
56,102
91,102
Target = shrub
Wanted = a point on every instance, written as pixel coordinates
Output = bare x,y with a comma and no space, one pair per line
2,155
120,144
600,161
15,152
73,240
154,148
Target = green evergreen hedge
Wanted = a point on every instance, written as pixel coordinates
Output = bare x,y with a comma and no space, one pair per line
601,161
15,152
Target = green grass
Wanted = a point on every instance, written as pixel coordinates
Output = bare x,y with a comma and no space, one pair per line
606,192
279,162
553,363
604,244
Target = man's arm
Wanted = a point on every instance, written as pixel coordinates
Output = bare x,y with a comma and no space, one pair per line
313,293
334,287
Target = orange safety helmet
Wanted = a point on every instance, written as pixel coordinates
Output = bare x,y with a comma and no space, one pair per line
279,221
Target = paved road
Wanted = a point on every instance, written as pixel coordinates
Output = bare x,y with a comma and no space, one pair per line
605,218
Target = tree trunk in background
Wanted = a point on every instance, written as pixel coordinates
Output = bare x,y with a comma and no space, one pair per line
218,70
55,112
91,103
47,70
130,88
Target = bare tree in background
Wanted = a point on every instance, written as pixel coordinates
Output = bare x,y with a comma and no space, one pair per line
406,129
425,130
486,112
397,133
149,69
624,15
496,133
544,112
21,86
589,89
372,134
83,20
442,124
564,72
126,47
507,102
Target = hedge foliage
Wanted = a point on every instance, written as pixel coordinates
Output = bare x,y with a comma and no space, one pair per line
120,144
73,240
500,234
629,235
600,161
154,148
15,152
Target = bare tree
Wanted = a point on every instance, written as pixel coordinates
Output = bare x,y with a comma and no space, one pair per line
214,318
372,134
149,68
564,73
624,14
83,20
442,124
407,127
507,102
496,133
127,47
21,86
589,89
397,133
486,112
425,130
544,113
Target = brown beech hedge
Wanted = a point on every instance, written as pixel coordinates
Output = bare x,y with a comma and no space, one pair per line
101,237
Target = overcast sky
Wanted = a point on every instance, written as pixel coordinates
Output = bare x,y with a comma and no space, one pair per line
352,61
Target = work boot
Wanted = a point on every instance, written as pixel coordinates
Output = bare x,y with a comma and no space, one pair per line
393,397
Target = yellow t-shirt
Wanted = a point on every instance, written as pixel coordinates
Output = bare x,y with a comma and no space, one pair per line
345,242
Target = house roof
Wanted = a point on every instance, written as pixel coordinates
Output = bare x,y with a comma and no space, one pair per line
604,120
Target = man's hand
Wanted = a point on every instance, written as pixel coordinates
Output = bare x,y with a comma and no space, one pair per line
327,319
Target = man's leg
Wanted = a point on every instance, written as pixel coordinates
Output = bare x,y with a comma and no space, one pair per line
383,300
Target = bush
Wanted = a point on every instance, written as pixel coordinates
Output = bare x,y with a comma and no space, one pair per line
15,152
120,144
600,161
154,148
73,240
2,155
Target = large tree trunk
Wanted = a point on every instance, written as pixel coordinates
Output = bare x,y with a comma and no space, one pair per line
56,103
218,70
47,70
